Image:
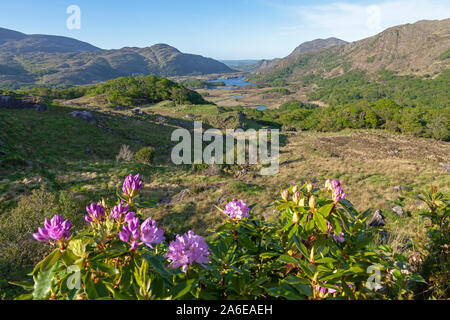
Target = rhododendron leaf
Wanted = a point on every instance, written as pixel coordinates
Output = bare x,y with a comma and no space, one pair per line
309,226
157,263
325,210
42,283
48,262
320,222
183,288
285,291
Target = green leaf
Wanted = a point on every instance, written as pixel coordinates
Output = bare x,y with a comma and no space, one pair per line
48,262
309,226
90,287
183,288
325,260
320,222
25,296
287,259
42,284
285,291
157,264
325,210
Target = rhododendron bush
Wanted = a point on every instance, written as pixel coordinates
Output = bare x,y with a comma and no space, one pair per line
316,246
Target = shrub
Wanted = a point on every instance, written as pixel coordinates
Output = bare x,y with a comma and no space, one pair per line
125,154
17,247
317,247
435,266
145,155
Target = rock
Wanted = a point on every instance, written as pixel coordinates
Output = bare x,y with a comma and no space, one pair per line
85,115
398,189
165,200
180,196
37,103
137,112
398,211
445,167
212,170
393,153
377,219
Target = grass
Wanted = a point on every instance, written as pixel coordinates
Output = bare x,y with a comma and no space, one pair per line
361,159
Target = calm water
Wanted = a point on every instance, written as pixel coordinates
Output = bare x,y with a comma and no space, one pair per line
261,108
237,82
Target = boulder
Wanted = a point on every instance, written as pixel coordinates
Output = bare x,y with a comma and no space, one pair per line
398,189
85,115
36,103
398,211
445,167
377,219
137,112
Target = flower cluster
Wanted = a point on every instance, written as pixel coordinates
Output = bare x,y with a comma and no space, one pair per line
237,209
135,234
335,187
131,186
119,211
96,213
186,250
56,229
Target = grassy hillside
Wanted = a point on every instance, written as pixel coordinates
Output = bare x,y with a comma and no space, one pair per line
74,163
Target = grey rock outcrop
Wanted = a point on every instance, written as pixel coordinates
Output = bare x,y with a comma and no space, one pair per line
377,219
36,103
398,211
85,115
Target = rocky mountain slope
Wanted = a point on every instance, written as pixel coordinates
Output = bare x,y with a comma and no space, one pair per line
38,60
415,49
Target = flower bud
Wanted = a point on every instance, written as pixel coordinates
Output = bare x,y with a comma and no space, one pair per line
309,187
295,218
290,253
302,202
296,198
285,194
295,189
312,202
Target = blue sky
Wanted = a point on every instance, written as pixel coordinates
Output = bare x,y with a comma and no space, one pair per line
231,29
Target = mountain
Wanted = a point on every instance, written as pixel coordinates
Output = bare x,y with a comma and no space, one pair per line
412,49
310,47
38,60
13,42
316,45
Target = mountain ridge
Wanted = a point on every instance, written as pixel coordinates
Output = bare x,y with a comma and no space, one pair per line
39,60
408,49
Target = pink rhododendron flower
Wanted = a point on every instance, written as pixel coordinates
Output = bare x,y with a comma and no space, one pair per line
186,250
237,209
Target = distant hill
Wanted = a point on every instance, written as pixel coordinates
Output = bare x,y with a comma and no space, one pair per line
38,60
13,42
412,49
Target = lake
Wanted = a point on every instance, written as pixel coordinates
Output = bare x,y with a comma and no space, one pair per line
261,108
237,82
